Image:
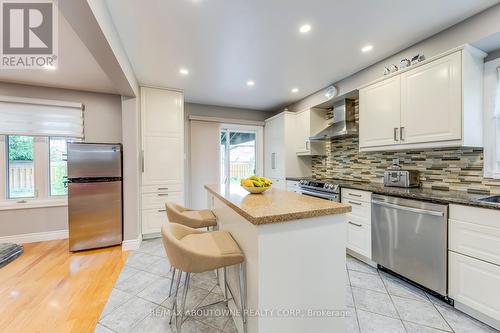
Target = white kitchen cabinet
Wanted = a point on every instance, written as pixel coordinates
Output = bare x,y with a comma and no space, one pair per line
474,261
359,235
153,210
280,158
435,103
431,103
309,122
380,113
293,186
162,121
473,284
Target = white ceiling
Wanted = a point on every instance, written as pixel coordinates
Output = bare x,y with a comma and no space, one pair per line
77,68
226,43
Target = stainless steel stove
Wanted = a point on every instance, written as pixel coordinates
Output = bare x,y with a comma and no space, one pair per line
320,189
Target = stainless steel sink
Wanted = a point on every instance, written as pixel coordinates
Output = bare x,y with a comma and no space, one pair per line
493,198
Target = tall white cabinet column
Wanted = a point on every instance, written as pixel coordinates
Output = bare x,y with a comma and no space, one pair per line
162,125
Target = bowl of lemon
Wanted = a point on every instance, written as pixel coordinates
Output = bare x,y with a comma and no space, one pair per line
256,185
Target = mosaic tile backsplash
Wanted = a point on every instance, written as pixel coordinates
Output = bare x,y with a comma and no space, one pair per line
458,169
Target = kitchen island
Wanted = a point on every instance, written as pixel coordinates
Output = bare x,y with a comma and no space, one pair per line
294,248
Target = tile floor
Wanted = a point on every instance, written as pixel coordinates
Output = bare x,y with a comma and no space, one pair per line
377,301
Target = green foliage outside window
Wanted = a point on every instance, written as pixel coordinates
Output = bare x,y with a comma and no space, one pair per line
21,148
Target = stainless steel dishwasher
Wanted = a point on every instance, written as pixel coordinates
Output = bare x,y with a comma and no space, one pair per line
410,238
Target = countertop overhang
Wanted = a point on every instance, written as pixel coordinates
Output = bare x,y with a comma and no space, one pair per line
275,205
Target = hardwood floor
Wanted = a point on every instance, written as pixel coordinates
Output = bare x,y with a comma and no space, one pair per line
49,289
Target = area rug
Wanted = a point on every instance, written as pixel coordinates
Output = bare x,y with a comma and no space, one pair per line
9,252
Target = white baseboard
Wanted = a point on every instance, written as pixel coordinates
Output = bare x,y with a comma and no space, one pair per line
35,237
131,244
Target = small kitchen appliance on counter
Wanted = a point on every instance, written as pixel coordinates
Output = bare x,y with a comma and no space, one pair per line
395,176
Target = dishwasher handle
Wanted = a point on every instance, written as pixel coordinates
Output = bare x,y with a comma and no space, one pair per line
408,209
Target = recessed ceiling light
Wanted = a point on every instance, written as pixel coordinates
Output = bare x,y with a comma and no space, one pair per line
184,71
305,28
250,83
295,90
367,48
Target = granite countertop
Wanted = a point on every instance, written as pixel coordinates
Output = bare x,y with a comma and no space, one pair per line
436,196
275,205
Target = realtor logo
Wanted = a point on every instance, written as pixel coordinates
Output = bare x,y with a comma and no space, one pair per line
29,34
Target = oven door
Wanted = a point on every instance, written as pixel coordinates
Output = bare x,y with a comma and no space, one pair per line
322,195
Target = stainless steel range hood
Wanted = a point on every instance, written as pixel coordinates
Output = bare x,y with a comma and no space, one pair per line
343,125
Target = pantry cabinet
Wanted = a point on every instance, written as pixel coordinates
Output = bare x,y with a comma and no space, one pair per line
162,127
433,104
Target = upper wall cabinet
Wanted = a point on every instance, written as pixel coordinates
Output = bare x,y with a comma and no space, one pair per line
380,113
308,123
436,103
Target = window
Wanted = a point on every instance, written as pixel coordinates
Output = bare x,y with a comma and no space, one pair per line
58,171
239,153
492,119
35,167
21,169
33,138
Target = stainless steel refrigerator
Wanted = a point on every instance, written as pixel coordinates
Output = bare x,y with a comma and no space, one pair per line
94,195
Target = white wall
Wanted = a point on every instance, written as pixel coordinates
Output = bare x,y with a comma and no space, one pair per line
103,123
469,31
131,168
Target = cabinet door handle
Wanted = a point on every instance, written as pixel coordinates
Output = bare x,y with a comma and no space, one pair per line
161,210
396,134
142,160
354,195
402,134
355,203
163,194
355,224
162,188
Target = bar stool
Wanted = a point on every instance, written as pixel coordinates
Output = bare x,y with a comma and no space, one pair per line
195,251
190,217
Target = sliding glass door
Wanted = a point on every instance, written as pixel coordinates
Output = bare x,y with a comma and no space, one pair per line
239,153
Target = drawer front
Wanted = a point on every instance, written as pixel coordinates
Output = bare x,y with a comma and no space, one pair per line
292,186
474,283
361,210
481,216
152,220
163,188
359,237
364,196
158,200
478,241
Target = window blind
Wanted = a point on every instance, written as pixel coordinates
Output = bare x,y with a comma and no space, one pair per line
39,117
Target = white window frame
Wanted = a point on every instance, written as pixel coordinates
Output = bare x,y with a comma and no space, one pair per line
491,135
259,143
41,163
